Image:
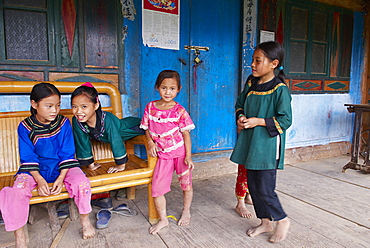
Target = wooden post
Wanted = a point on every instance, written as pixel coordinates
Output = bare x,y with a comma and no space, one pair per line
131,193
53,216
73,211
153,214
32,215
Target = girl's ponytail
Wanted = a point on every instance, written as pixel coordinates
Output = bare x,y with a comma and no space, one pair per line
281,74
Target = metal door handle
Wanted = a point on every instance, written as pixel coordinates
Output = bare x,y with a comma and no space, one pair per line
197,48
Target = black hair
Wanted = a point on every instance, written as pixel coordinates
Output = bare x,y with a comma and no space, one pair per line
88,91
41,91
167,74
273,50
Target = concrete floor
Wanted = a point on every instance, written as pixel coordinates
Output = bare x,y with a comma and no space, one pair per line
327,208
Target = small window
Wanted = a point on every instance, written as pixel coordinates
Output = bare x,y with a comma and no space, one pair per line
318,42
66,35
26,32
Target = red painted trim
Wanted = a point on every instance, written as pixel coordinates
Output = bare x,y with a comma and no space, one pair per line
69,20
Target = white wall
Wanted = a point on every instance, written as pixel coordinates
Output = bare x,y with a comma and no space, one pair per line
319,119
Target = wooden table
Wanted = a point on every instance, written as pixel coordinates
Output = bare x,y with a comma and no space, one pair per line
358,109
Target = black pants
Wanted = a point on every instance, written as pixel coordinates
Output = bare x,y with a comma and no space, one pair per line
261,185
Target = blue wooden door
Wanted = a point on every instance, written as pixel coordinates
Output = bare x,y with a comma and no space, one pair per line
217,25
209,89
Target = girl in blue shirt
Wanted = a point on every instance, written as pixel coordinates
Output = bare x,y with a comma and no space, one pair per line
46,150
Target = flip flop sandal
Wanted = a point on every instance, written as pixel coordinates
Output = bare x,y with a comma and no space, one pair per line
124,210
103,203
103,216
121,195
63,210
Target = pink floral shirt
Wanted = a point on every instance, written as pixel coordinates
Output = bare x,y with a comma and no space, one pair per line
166,127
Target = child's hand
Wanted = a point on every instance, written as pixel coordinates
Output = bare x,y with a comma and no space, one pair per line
43,187
253,122
93,166
152,148
188,161
57,186
241,123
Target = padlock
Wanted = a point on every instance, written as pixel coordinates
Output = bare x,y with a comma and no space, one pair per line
197,60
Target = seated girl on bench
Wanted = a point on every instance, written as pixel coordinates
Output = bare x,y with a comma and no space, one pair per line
47,154
91,123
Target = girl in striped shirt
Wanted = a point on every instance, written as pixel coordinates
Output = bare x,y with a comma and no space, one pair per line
167,125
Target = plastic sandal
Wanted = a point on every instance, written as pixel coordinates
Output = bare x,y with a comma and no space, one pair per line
63,210
103,216
124,210
103,203
121,195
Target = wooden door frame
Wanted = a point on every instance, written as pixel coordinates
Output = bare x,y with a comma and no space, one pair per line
365,81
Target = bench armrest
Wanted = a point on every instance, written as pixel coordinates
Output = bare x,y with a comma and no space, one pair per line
140,140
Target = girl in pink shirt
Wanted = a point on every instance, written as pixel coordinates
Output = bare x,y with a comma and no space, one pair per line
167,126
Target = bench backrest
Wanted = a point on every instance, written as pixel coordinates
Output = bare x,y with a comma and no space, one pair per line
9,121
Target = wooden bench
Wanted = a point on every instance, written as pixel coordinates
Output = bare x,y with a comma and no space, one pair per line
138,171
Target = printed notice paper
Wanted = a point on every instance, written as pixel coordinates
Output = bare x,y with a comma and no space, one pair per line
161,24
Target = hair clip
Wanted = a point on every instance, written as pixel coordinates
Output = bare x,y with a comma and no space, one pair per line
88,84
281,68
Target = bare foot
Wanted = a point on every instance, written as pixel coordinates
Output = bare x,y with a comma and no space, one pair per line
88,230
157,227
185,218
248,199
117,168
281,230
20,238
242,210
264,227
94,166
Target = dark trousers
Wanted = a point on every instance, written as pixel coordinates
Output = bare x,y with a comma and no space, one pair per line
261,184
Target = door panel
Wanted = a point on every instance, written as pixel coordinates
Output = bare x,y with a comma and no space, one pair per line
217,25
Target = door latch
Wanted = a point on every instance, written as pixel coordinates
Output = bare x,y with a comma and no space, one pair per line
197,50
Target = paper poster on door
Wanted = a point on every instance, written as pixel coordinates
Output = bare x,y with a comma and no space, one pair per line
161,24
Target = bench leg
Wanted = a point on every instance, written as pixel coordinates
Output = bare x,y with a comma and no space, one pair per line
53,216
152,211
32,215
73,211
131,194
25,229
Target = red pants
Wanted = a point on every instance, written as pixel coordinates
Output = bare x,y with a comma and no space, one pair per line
241,187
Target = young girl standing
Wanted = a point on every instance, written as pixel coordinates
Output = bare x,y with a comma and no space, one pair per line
91,123
46,152
167,126
264,113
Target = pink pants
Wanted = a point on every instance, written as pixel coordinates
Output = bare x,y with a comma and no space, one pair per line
15,201
162,175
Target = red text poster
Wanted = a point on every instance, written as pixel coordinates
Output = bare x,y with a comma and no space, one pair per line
161,24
